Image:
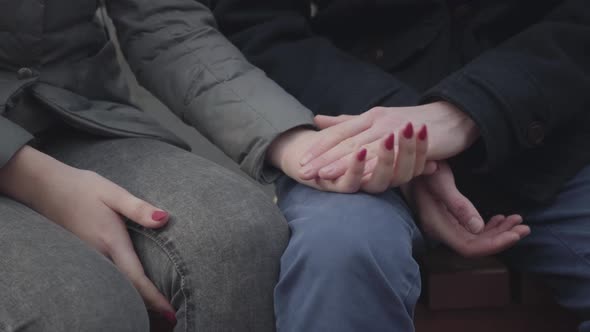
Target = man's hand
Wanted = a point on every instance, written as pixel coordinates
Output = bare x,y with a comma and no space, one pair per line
450,133
448,216
371,171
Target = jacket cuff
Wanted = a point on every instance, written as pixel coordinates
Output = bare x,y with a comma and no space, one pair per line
12,139
402,97
486,110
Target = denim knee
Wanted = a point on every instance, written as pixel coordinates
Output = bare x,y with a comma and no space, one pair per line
349,263
87,302
340,251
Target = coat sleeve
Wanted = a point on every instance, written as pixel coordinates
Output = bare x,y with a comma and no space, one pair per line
12,138
178,54
529,87
277,37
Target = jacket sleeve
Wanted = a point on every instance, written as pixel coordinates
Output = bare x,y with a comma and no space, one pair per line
177,53
529,87
277,37
12,138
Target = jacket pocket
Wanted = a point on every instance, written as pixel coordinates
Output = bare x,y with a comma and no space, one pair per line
102,118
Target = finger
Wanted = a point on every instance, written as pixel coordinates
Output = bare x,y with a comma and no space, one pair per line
135,209
443,186
522,230
421,149
507,224
334,135
380,178
430,168
341,149
126,260
491,246
370,165
494,221
339,167
404,167
350,182
325,121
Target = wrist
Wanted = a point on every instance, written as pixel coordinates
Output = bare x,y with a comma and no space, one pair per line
26,173
455,129
282,146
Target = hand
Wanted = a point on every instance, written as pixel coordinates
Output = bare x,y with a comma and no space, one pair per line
450,132
384,168
89,206
448,216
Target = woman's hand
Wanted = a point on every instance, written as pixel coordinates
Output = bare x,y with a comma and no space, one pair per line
448,216
91,207
374,168
450,130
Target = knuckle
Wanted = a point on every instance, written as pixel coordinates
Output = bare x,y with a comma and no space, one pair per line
460,208
378,110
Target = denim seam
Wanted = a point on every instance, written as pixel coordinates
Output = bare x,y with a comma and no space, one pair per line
170,250
563,243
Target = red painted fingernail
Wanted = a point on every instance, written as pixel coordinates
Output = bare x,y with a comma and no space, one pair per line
423,133
159,215
170,316
389,142
409,131
362,155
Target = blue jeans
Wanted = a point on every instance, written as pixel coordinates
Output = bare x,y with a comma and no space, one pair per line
349,265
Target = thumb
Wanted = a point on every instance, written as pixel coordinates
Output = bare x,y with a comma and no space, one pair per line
442,185
325,121
135,209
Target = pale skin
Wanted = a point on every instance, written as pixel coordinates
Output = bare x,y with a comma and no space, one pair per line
372,169
444,213
58,191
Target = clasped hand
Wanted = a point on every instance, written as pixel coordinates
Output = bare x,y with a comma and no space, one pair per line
380,149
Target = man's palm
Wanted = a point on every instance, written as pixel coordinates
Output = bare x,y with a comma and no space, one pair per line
448,216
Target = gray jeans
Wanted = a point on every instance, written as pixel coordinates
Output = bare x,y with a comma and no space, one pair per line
217,261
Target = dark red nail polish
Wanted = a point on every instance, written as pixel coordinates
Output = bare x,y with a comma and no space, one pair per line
409,131
362,155
423,133
389,142
170,317
159,215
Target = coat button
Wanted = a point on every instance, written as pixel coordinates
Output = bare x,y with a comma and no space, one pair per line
536,133
379,53
25,73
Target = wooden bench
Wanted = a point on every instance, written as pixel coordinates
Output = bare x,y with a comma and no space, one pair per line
483,295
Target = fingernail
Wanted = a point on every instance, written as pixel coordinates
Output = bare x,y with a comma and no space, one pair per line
362,155
474,225
306,170
423,133
170,317
307,158
159,215
389,142
409,131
